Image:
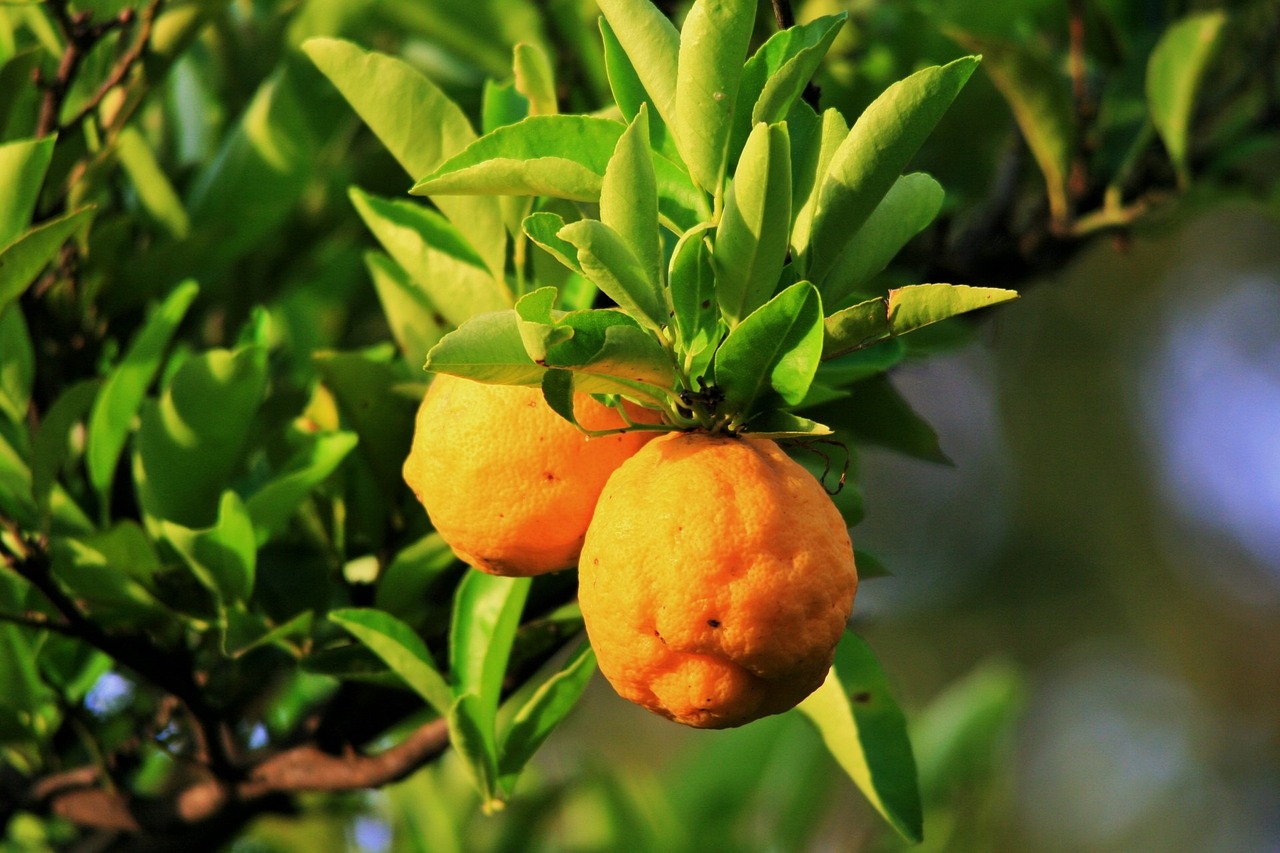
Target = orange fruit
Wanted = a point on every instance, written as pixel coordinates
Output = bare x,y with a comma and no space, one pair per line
716,579
507,482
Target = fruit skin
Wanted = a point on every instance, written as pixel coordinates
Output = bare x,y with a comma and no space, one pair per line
716,580
507,482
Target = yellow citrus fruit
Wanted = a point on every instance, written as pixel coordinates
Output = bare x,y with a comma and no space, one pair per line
507,482
715,580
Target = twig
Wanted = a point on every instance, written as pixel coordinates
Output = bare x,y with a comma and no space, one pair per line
75,794
1078,179
123,65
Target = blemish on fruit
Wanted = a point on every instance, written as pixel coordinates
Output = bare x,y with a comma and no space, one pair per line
714,623
549,477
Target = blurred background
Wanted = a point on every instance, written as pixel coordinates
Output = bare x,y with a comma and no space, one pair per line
1082,619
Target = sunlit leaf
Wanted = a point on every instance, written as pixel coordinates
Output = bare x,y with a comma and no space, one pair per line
23,259
1174,73
401,649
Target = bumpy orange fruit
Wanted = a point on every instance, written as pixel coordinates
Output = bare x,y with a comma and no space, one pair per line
716,580
507,482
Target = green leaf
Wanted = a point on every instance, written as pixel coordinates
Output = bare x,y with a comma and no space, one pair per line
866,733
22,169
652,45
113,572
17,366
471,733
551,702
535,79
274,504
713,45
54,438
869,566
628,91
958,738
775,76
919,305
486,614
777,425
1174,73
904,212
434,254
401,649
543,228
126,385
415,324
156,193
419,125
364,385
23,259
873,155
558,156
607,261
407,587
771,357
500,105
487,348
751,240
878,414
223,557
15,77
692,283
629,198
557,391
191,440
810,175
1040,99
904,310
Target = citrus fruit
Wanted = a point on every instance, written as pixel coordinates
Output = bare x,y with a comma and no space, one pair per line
715,580
507,482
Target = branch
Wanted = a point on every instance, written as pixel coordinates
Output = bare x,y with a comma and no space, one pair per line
123,65
75,795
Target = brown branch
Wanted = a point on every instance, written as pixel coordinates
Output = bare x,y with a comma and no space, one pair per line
123,65
1078,179
76,795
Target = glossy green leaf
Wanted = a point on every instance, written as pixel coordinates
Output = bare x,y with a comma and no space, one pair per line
486,614
777,425
628,92
558,156
879,146
775,76
652,45
401,649
52,442
751,240
487,348
434,254
535,79
274,504
866,733
809,176
919,305
713,46
419,124
500,105
22,169
223,557
1174,73
608,261
905,211
543,228
23,259
771,357
155,191
1040,98
414,322
692,285
855,327
191,440
550,703
471,733
126,386
629,198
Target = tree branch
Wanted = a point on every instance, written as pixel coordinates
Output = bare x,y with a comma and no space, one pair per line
77,796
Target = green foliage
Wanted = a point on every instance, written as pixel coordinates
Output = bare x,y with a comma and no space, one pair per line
218,292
